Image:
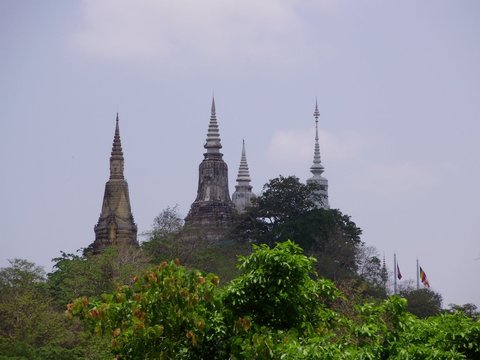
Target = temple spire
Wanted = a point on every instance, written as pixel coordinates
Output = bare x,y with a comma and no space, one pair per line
243,177
317,168
211,214
116,158
115,225
243,195
213,144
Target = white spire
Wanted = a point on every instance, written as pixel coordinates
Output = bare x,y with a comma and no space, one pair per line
213,144
243,178
317,168
243,195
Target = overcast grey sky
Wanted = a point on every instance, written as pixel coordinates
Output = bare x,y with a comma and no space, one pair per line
398,88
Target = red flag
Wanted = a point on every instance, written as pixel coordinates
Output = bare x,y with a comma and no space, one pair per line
399,274
423,277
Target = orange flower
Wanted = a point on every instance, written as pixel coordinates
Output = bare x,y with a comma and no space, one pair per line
93,313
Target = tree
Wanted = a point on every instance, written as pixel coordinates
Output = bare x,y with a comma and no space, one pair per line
286,198
468,309
22,301
422,302
168,312
30,325
373,271
169,240
91,275
275,288
165,239
286,210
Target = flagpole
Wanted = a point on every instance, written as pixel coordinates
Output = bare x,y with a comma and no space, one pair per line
418,276
394,273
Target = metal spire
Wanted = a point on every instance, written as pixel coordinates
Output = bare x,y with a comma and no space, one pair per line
213,144
243,178
116,157
317,167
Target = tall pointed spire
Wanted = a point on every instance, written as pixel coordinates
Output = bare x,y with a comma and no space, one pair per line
116,158
116,225
317,168
211,214
243,177
242,197
213,144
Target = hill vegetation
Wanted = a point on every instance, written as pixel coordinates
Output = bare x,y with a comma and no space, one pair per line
323,294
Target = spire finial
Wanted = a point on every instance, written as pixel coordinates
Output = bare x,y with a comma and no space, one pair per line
213,144
116,158
316,113
213,112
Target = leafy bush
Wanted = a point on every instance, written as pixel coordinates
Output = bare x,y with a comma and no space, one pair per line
275,288
169,312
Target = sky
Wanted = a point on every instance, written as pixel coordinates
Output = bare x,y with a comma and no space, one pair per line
398,89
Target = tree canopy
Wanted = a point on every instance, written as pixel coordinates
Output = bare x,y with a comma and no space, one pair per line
286,210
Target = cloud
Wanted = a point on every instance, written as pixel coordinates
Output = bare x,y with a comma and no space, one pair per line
248,32
398,178
297,145
361,165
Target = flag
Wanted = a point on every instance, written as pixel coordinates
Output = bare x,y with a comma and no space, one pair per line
399,274
423,277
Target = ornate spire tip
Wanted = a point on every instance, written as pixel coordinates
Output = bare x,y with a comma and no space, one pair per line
213,105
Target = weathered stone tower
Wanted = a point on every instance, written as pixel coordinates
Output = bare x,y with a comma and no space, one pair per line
317,168
211,214
115,225
243,195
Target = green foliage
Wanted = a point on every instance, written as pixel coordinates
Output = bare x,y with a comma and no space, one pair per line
170,240
422,302
275,288
169,312
286,210
276,308
283,200
92,275
333,238
286,198
164,241
468,309
30,325
447,336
